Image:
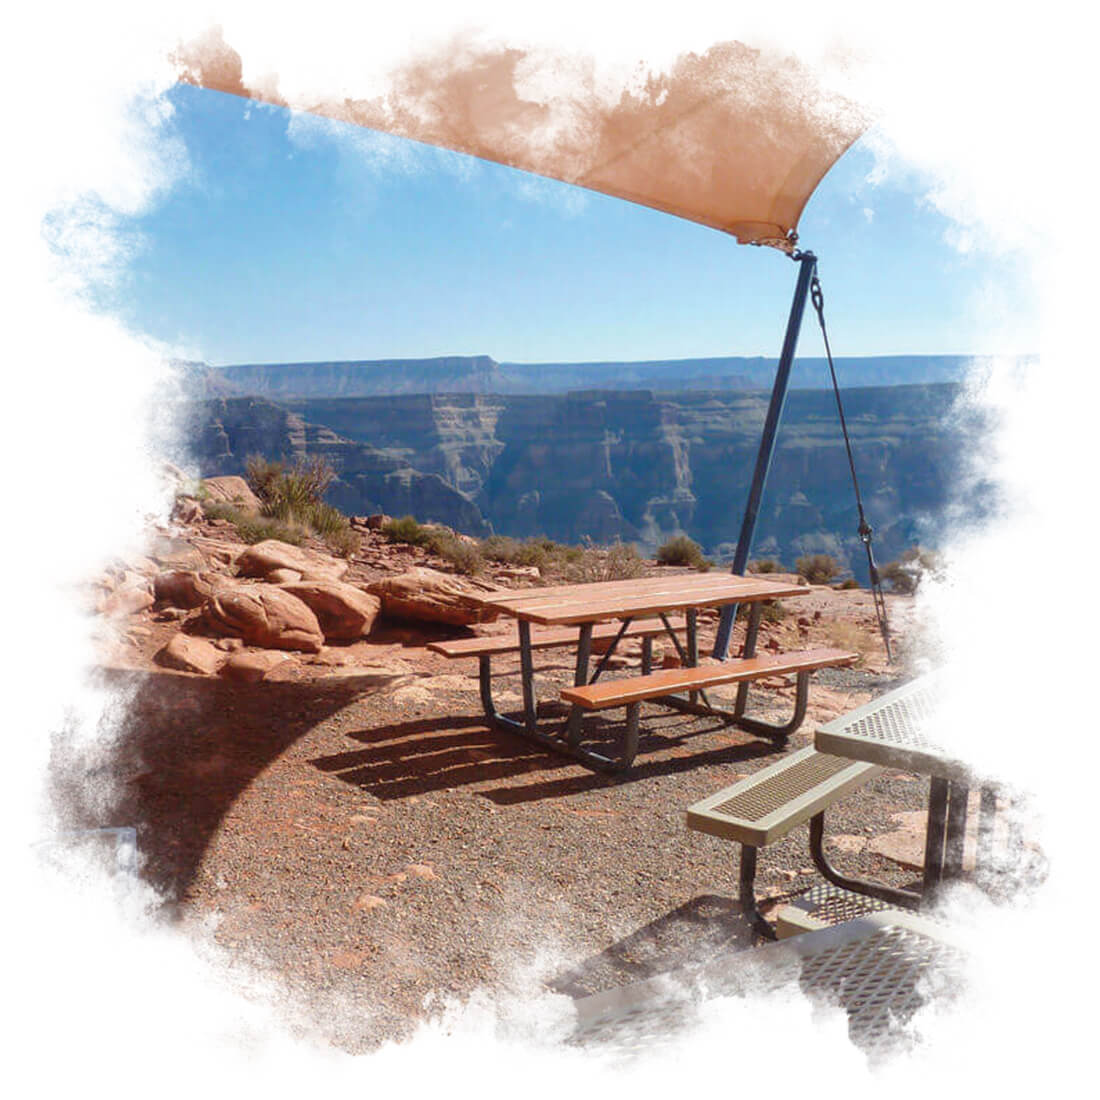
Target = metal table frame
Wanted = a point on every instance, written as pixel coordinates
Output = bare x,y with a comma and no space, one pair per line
889,731
567,738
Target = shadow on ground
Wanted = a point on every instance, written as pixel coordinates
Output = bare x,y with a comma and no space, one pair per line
439,753
185,750
693,932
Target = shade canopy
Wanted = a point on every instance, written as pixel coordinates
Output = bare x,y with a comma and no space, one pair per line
734,139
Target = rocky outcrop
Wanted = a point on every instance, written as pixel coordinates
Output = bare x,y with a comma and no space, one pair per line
186,588
344,612
264,558
427,595
232,490
264,615
188,654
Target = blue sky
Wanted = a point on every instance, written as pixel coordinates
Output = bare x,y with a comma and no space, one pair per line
297,239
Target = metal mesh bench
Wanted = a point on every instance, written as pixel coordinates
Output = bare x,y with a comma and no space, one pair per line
765,807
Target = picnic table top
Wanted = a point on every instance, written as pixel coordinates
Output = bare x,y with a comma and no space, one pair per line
570,604
893,731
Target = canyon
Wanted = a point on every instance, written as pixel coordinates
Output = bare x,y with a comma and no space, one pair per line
635,465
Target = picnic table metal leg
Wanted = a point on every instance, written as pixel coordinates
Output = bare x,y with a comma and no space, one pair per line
527,675
955,840
691,618
746,893
934,837
748,650
986,820
892,895
647,655
580,678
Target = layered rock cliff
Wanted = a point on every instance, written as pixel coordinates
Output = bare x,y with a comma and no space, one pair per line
225,431
640,466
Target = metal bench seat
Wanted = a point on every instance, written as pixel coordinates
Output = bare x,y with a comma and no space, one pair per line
765,807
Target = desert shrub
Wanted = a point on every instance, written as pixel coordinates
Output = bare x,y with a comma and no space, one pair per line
294,497
817,568
845,635
442,541
286,493
680,550
254,528
765,565
771,611
547,556
847,584
620,561
345,542
406,530
905,574
464,556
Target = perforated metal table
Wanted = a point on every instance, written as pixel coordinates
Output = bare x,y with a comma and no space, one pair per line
893,731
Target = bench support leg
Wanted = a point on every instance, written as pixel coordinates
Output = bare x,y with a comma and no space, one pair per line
772,731
580,678
906,899
746,893
748,649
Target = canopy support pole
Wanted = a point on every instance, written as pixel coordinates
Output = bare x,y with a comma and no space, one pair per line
807,265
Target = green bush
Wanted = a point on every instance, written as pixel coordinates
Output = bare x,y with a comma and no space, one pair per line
406,530
294,497
617,562
444,543
547,556
680,550
905,574
817,568
765,565
847,584
771,611
253,528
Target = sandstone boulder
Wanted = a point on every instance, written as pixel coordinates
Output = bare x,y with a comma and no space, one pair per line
427,595
344,611
254,666
232,490
283,576
186,587
186,510
128,599
190,654
271,554
264,615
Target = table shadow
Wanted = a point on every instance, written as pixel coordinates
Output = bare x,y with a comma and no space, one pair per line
691,933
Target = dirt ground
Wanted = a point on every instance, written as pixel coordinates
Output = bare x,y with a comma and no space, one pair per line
364,840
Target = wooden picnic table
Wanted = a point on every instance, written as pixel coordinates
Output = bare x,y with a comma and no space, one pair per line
895,731
584,606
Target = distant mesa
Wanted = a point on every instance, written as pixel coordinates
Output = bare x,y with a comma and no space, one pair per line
481,374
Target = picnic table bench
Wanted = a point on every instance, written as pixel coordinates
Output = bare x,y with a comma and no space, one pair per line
890,731
580,614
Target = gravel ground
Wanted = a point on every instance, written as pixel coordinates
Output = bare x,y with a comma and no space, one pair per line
369,848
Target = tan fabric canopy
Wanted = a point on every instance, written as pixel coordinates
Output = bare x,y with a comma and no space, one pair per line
731,139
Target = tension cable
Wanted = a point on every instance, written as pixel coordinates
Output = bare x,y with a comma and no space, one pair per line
865,532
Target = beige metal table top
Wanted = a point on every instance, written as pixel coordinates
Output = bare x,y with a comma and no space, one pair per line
570,604
893,731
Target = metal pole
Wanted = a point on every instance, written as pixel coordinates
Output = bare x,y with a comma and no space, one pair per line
808,262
